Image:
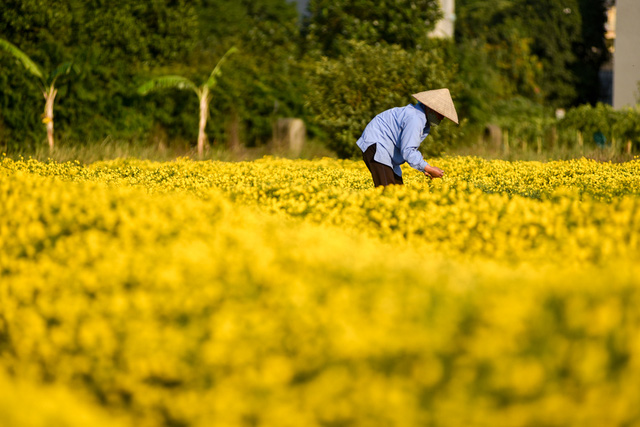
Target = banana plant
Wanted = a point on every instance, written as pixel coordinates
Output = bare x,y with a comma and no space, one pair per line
47,83
203,91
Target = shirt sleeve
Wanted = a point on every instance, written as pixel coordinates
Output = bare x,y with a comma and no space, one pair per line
410,139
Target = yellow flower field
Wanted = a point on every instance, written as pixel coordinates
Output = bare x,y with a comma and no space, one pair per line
292,293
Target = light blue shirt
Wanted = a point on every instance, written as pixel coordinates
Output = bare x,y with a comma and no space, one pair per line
398,133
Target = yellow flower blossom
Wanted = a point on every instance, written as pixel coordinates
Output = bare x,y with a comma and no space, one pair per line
292,293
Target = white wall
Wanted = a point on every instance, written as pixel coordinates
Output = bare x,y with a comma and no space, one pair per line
626,62
444,27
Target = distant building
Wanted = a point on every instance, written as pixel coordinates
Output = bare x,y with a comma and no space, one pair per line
626,52
610,26
606,70
444,27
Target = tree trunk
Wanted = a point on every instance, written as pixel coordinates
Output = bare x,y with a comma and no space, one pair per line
204,111
49,97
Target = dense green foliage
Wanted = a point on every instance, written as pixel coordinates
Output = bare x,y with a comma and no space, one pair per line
339,66
110,45
495,53
554,28
402,22
544,50
117,48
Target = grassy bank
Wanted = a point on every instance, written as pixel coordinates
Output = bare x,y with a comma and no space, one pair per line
109,150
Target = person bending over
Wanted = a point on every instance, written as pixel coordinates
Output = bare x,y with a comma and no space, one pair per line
394,136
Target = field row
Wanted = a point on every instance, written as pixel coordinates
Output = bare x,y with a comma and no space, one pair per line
579,211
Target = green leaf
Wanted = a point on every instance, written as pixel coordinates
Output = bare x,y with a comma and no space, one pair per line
61,70
22,57
211,82
167,82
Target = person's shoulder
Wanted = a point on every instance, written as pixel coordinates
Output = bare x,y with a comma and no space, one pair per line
414,112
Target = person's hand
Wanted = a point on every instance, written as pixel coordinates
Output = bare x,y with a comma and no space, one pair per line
433,172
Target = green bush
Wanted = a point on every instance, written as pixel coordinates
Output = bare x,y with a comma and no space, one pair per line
347,92
621,125
524,120
528,122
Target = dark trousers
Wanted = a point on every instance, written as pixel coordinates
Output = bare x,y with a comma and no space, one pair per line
382,174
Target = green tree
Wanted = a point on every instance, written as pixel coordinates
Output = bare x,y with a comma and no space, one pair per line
495,59
255,25
203,92
402,22
591,50
520,34
554,28
267,81
47,83
476,21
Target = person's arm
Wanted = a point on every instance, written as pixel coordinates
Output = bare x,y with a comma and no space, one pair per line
433,172
410,140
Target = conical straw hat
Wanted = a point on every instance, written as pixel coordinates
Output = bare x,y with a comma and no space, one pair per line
440,101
